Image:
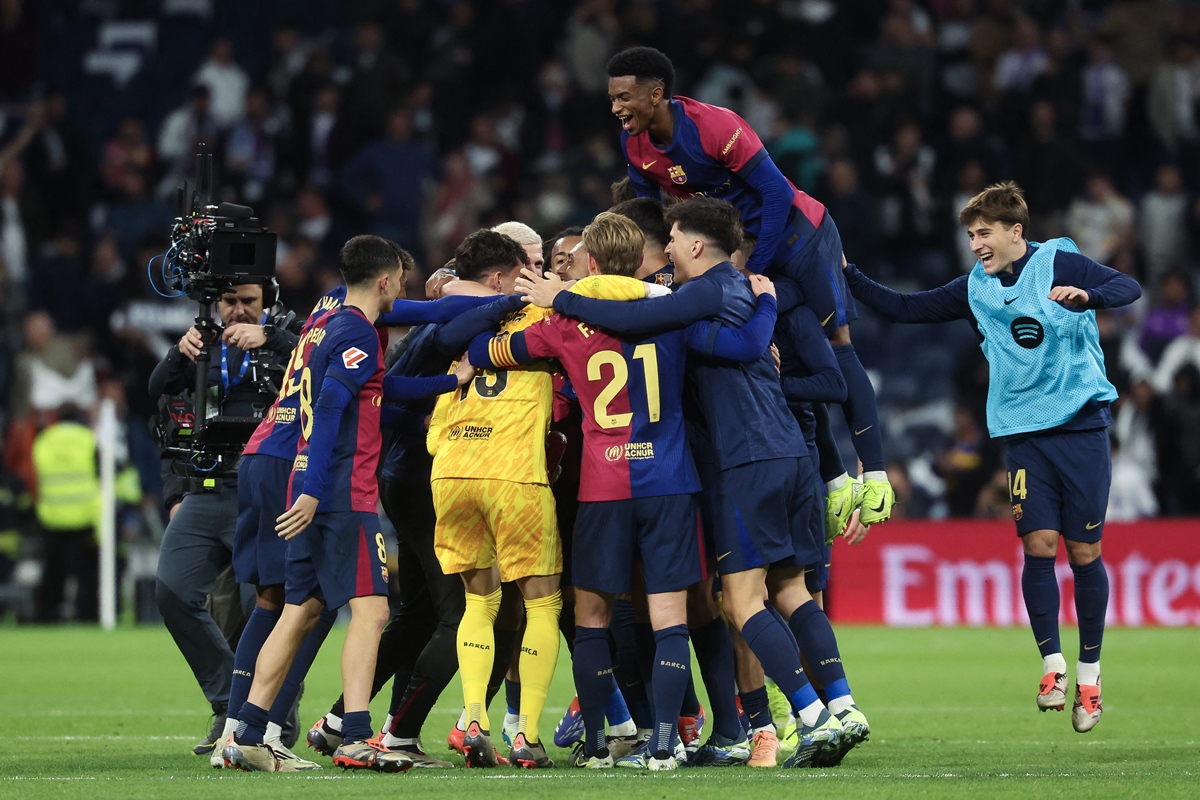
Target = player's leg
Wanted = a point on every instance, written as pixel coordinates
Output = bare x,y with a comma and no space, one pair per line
1085,465
592,669
715,656
1035,491
844,493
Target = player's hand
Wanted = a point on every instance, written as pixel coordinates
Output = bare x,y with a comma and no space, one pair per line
845,263
465,370
298,517
1069,296
856,531
775,356
761,284
539,289
437,282
245,336
191,343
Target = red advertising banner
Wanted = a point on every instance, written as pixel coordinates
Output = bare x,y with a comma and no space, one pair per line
968,572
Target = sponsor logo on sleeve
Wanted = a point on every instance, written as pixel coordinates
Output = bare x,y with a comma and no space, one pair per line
353,357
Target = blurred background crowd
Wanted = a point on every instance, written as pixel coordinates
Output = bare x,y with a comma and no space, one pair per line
423,120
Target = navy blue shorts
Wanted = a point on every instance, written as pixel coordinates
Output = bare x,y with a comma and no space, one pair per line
663,533
762,515
340,556
1060,482
258,552
817,267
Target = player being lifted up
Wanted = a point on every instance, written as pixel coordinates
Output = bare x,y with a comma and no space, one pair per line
637,481
763,489
1048,399
676,146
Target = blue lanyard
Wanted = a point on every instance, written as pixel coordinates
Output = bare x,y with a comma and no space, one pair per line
225,383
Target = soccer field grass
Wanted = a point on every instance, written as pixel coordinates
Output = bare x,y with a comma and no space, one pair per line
93,714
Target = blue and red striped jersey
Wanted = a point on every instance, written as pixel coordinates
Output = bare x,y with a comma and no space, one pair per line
346,348
713,152
633,435
279,432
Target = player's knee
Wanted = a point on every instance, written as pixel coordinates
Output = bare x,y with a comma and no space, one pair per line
1080,554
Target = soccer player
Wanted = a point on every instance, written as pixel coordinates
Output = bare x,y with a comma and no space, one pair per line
676,146
496,521
336,553
568,258
636,487
762,492
1033,306
529,240
647,214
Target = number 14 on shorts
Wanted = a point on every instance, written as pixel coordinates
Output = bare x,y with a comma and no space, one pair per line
1016,486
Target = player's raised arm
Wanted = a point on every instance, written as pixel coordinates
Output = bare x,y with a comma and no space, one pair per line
943,304
425,312
747,343
453,337
1080,282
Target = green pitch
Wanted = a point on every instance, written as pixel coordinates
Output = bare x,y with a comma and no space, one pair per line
90,714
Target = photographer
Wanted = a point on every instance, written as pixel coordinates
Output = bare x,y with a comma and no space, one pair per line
198,541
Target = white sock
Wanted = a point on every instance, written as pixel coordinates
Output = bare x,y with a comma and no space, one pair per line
840,704
1087,673
274,734
387,723
230,727
626,728
644,734
1054,663
837,482
511,719
333,722
811,713
875,475
396,741
462,721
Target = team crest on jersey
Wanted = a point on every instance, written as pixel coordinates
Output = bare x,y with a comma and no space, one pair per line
1017,512
383,571
677,174
353,357
664,279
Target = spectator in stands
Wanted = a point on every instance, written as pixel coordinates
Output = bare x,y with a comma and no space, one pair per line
457,207
967,140
128,150
1021,63
1166,321
967,464
22,225
1061,83
388,181
227,82
59,161
1049,167
1101,220
905,170
320,140
854,210
179,138
53,369
1177,434
1183,351
1106,92
379,83
136,214
1174,108
1162,224
1133,427
1131,495
250,148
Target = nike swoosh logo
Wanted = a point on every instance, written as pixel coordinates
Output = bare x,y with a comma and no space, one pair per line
879,509
825,321
864,430
1010,302
649,165
1091,526
1043,641
1091,647
723,555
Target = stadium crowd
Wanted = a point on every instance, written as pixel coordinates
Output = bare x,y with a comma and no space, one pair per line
422,121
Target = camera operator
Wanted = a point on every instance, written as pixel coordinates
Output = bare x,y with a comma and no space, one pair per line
198,541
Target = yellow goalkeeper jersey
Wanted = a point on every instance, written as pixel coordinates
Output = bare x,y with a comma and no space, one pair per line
496,425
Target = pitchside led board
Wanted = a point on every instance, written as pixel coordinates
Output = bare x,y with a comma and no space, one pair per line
968,572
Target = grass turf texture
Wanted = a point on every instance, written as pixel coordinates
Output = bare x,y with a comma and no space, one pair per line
952,712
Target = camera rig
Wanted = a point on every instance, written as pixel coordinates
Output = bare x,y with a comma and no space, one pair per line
213,248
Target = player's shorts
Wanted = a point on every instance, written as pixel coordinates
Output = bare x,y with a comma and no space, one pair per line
663,533
339,556
762,515
258,552
484,521
817,267
1060,482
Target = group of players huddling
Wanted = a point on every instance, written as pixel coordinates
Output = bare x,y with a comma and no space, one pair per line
639,467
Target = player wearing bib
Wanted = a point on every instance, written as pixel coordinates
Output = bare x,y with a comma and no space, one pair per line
1048,399
336,552
677,146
